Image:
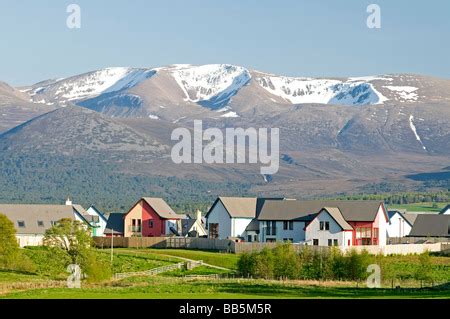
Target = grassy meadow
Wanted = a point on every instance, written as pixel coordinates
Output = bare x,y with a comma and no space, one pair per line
199,282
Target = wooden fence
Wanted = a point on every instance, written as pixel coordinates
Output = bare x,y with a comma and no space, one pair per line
231,246
155,271
165,242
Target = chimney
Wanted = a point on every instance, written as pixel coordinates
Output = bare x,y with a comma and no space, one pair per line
199,215
68,201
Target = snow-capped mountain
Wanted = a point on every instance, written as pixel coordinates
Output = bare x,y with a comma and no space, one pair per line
211,85
89,85
322,91
214,87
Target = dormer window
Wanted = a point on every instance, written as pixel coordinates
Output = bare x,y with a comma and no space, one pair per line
40,223
21,224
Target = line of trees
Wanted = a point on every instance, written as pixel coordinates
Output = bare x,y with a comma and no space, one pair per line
284,262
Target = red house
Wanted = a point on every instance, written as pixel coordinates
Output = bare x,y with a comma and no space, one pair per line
151,217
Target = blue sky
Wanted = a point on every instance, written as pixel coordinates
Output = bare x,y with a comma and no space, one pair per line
289,37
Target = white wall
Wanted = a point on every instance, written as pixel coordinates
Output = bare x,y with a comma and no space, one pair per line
335,232
220,216
382,223
30,239
102,223
170,223
238,226
398,226
297,233
199,228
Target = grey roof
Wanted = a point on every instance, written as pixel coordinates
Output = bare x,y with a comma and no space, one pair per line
32,214
307,210
253,225
242,207
84,214
410,218
102,215
336,214
443,210
160,206
431,225
115,224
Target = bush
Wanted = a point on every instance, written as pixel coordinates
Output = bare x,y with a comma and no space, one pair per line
11,257
284,262
357,265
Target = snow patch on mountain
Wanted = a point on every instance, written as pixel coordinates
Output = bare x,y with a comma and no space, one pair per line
405,93
414,129
322,91
211,85
230,114
94,83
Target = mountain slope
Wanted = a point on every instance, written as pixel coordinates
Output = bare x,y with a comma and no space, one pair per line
16,108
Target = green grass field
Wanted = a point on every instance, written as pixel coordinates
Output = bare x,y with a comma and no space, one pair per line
173,288
174,284
420,207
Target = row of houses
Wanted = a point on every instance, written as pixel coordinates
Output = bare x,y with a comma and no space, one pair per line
311,222
315,222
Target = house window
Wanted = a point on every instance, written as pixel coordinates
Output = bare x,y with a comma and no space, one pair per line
315,242
249,238
324,225
335,242
136,225
364,236
271,228
288,225
213,230
150,223
330,242
21,224
288,240
40,223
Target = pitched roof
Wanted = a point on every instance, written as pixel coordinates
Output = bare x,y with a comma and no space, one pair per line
32,214
446,208
307,209
99,213
253,225
160,206
85,215
410,218
115,224
244,207
336,214
431,225
186,226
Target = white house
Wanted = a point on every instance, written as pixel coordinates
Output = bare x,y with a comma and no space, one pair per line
193,227
283,221
359,222
400,224
329,228
102,220
31,221
228,217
